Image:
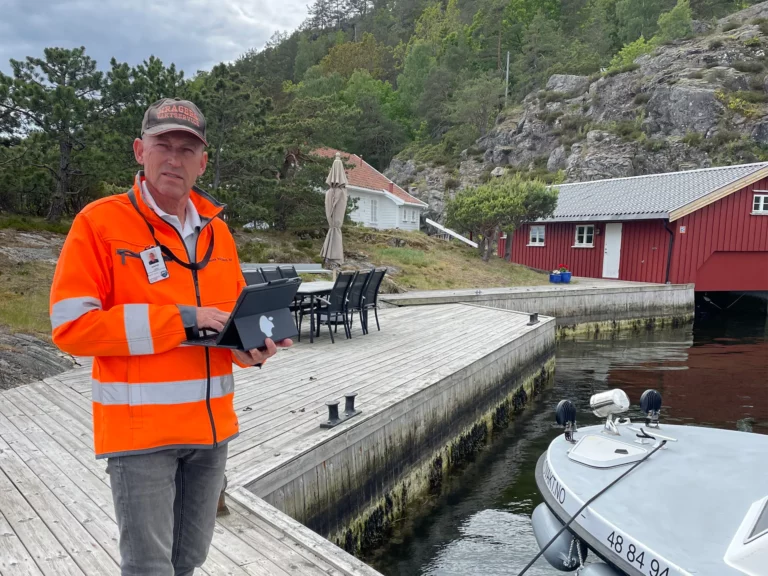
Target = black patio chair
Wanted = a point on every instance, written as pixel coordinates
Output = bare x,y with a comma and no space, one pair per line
253,277
288,271
270,274
332,310
355,299
371,296
298,300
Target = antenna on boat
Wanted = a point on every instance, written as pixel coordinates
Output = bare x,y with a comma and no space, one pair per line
650,404
606,404
565,415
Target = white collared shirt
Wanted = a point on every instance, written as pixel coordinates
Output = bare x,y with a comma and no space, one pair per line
192,222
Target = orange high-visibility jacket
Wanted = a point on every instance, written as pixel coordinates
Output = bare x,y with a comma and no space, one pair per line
149,393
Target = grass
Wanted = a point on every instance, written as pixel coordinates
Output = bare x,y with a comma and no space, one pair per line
730,26
421,263
24,293
30,224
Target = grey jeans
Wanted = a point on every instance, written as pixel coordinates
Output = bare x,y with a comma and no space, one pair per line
165,503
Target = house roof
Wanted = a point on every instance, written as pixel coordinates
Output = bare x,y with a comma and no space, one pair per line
671,195
363,175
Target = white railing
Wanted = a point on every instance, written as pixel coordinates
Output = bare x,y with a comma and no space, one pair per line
451,233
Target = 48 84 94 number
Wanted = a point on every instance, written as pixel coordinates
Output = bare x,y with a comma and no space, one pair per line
636,557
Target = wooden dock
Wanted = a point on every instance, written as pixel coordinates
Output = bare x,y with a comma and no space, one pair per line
56,511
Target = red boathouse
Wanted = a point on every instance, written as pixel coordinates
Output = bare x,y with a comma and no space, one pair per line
708,227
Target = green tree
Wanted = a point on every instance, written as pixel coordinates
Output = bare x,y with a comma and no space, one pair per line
367,54
601,28
416,68
543,47
229,104
501,205
58,95
477,102
639,17
676,23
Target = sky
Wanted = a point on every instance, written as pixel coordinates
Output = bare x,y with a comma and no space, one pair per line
193,34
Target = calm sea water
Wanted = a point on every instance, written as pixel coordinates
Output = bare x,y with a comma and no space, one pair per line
714,373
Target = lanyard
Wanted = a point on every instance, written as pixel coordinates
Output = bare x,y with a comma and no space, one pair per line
165,250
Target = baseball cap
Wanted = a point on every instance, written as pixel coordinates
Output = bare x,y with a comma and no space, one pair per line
171,114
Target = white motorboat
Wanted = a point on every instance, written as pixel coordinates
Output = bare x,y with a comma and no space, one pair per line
651,499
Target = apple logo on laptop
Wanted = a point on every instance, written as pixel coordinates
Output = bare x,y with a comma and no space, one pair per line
266,325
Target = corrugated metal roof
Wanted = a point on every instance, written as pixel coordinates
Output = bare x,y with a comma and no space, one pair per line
642,197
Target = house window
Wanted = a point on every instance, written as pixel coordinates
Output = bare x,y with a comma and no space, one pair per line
760,205
536,236
374,211
414,216
585,236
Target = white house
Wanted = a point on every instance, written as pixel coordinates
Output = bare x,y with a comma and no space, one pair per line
380,202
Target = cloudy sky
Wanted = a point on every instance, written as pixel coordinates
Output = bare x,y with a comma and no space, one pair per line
194,34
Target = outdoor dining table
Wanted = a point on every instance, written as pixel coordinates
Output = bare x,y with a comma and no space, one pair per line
312,289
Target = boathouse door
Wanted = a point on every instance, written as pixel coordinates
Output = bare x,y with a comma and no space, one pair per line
612,253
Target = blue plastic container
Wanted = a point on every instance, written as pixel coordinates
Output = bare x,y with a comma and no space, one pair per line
554,278
565,277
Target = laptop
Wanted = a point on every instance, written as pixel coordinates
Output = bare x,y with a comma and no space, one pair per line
261,312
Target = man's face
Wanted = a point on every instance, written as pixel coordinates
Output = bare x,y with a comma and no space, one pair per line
172,162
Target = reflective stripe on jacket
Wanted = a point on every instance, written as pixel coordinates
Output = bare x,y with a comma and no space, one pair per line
149,392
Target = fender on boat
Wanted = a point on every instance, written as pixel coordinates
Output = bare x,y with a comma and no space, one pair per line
561,555
600,569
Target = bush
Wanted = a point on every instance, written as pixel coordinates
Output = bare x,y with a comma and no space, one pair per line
756,82
721,138
629,53
753,42
763,27
642,98
622,70
628,130
570,124
550,117
736,104
552,96
452,183
715,44
750,66
753,96
693,139
732,25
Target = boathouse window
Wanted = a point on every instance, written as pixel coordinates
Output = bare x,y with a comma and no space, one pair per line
585,236
374,210
536,237
760,205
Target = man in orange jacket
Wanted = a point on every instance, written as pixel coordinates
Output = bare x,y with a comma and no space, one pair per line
140,273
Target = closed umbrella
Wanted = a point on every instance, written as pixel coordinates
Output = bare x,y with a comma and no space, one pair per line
335,208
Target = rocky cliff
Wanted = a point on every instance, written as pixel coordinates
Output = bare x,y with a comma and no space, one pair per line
690,104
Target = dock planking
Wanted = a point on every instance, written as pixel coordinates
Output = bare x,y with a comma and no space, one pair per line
56,514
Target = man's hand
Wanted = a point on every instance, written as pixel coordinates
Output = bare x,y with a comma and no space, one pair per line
212,318
256,356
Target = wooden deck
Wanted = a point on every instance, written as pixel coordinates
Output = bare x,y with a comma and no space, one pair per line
56,512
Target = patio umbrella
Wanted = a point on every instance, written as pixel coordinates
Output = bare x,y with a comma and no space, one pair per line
335,208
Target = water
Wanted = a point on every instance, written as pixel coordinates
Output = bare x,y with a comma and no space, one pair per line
714,373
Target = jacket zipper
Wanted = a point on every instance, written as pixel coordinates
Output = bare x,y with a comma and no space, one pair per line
199,304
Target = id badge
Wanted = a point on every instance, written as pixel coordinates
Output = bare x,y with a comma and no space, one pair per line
154,264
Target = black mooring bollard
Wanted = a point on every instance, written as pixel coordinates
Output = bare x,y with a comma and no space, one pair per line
349,405
333,414
534,319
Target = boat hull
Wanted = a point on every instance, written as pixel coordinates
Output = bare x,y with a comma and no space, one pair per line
553,501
